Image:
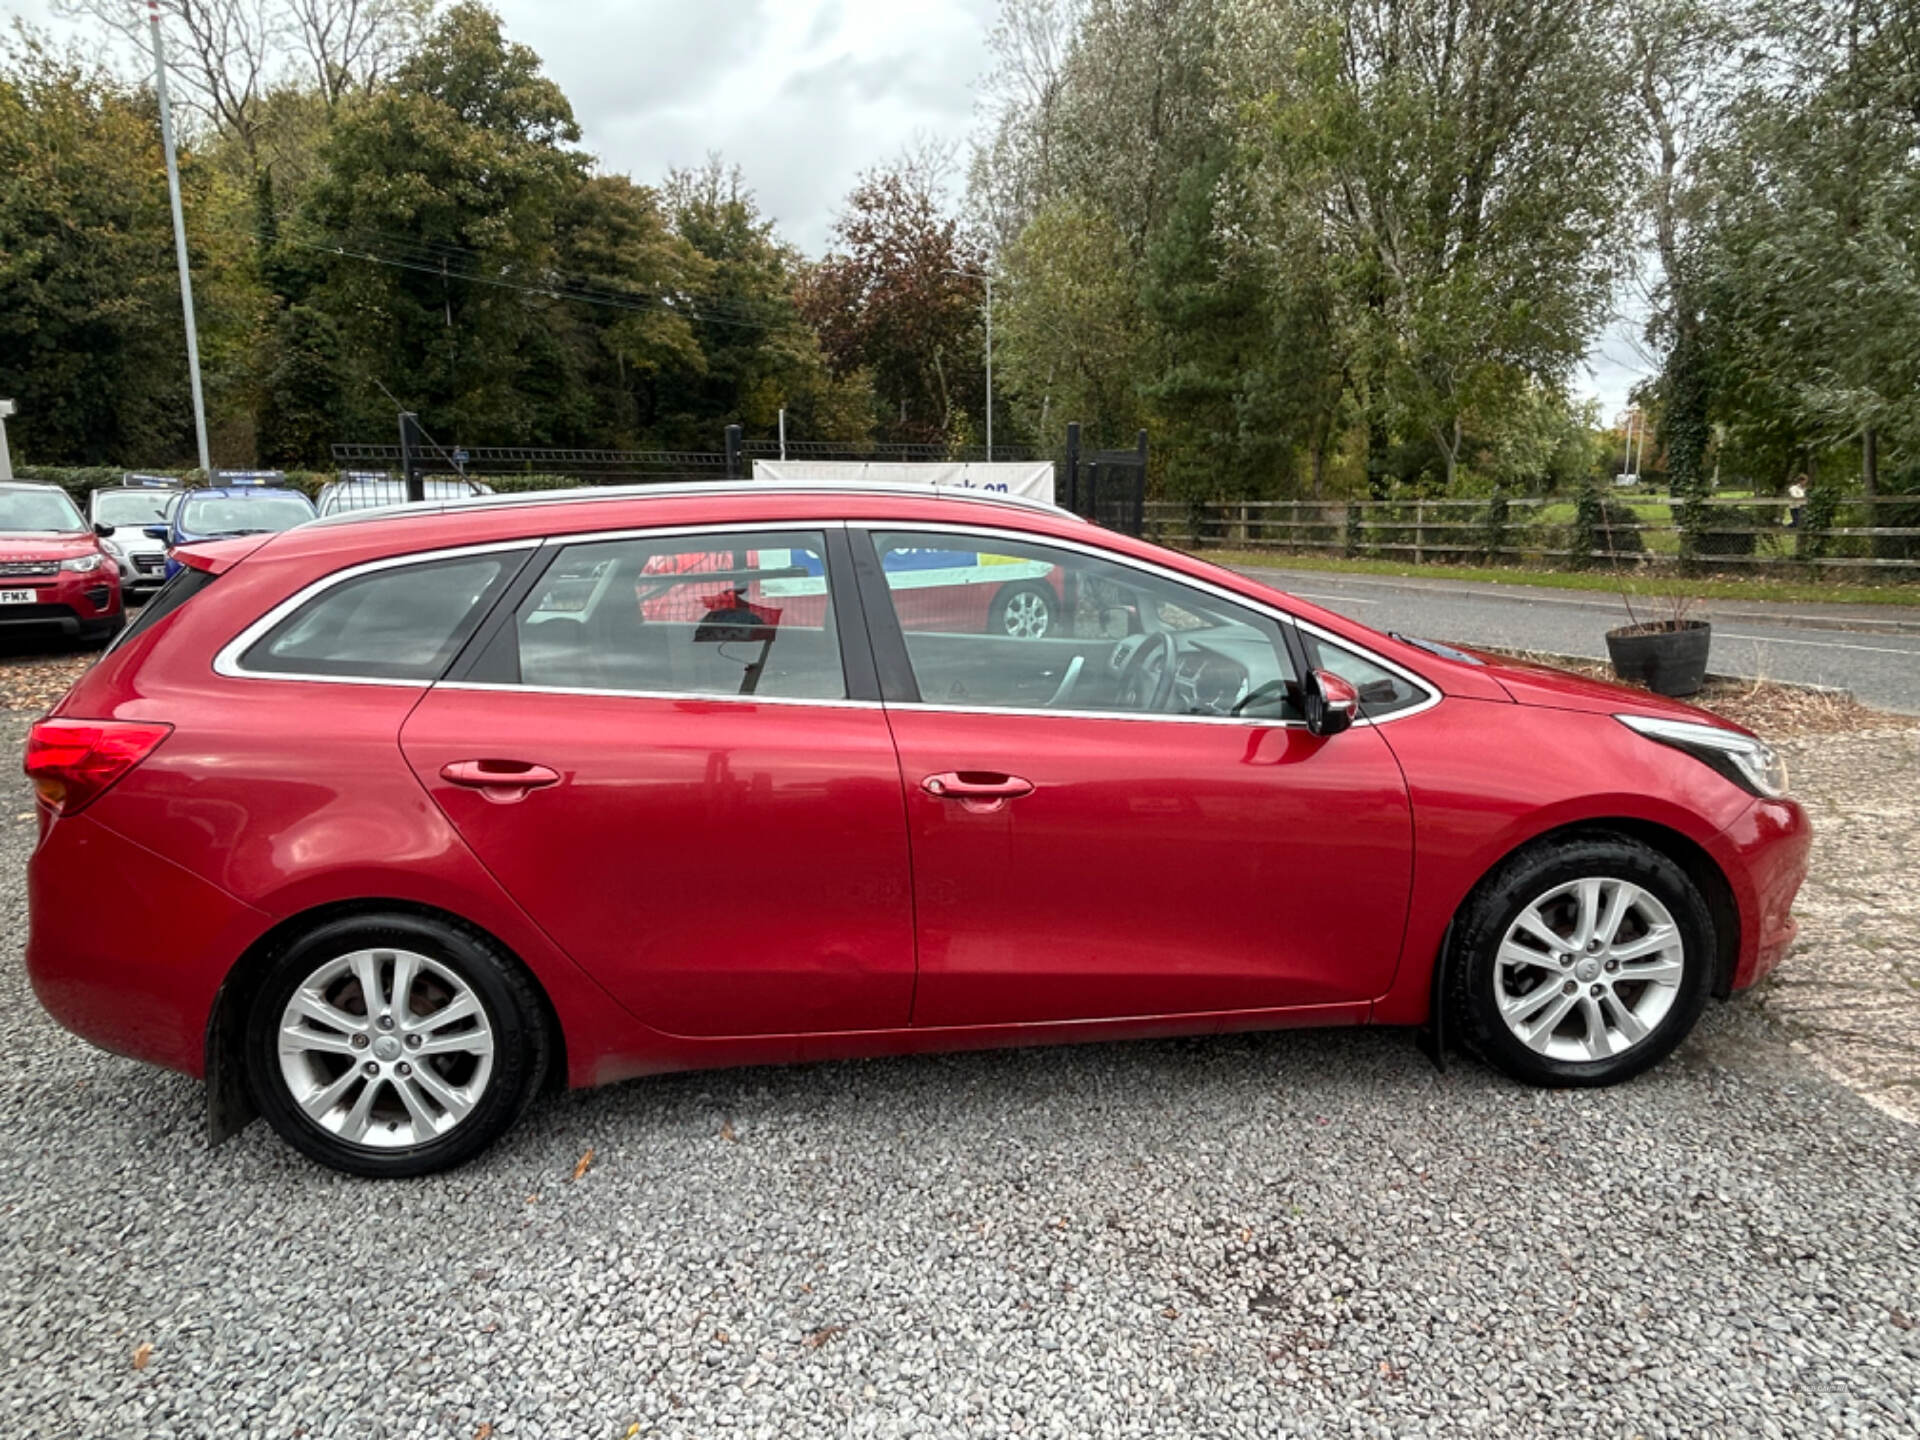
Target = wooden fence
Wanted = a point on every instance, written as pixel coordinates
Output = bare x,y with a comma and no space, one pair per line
1879,537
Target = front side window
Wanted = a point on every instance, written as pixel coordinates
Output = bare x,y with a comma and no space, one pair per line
1004,624
403,623
717,614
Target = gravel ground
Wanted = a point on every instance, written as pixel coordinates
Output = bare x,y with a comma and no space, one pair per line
1302,1234
1850,995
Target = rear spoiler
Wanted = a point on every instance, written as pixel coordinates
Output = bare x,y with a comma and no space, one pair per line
218,556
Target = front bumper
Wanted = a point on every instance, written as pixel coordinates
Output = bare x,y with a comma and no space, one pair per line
1765,861
74,603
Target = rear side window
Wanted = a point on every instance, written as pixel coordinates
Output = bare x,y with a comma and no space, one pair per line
401,623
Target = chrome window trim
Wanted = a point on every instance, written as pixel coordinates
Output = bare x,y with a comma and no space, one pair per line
697,696
1261,607
227,661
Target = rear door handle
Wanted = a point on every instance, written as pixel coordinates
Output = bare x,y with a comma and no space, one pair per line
976,790
501,781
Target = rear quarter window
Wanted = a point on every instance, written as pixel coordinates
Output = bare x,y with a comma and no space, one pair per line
404,622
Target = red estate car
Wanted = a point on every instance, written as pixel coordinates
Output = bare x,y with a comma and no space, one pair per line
410,827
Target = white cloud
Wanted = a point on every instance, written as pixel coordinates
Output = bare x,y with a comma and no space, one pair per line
802,94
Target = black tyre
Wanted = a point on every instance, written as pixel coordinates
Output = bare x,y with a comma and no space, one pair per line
394,1045
1025,612
1582,961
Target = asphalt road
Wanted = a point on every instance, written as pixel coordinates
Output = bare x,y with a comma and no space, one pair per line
1293,1235
1878,658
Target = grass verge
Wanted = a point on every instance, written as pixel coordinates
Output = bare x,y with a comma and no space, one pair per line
1707,587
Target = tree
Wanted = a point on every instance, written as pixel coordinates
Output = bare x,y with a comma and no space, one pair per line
91,341
759,353
1464,163
440,200
900,298
1813,292
230,55
1069,332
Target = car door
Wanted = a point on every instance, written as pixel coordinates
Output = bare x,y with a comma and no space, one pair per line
661,750
1126,816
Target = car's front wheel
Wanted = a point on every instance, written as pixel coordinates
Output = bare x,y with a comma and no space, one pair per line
393,1045
1582,961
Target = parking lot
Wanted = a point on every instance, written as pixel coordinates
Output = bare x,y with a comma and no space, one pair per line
1310,1233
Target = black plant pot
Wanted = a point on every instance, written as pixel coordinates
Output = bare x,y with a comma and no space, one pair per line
1667,660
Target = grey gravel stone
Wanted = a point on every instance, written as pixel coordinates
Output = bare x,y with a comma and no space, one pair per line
1306,1234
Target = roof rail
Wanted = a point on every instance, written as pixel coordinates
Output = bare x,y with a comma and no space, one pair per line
589,493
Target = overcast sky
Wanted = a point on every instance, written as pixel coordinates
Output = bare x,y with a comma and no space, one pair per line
801,94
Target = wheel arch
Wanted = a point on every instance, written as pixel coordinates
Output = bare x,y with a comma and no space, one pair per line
1682,850
230,1102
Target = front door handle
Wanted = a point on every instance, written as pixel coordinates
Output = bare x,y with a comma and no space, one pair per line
501,781
976,790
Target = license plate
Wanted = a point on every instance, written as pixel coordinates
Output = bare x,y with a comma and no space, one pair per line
18,597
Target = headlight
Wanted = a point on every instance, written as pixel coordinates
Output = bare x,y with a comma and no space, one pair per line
84,563
1751,764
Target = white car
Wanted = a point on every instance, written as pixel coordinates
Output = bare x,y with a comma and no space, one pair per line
126,510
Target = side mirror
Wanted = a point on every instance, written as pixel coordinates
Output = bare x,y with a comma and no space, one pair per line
102,530
154,532
1331,704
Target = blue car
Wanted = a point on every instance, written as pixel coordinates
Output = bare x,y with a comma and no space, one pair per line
223,511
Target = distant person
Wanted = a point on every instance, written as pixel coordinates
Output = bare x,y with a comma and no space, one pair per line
1796,502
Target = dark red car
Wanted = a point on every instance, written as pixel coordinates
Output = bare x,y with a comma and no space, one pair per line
416,812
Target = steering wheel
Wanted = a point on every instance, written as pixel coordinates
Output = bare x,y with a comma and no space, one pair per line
1147,683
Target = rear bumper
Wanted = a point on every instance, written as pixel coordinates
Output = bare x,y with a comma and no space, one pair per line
143,983
1765,861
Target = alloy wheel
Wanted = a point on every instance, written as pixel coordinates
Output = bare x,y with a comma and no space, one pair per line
386,1048
1588,970
1027,615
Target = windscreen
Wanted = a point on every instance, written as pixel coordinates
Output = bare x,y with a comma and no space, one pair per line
223,515
38,512
131,507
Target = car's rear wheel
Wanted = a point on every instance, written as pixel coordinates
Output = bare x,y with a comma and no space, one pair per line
393,1045
1023,611
1583,961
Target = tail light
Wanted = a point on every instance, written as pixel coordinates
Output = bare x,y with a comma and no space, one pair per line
73,762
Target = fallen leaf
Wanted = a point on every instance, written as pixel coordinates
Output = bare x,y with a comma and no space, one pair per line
726,1131
720,1337
141,1355
1171,1313
585,1161
485,1431
633,1430
533,1199
814,1339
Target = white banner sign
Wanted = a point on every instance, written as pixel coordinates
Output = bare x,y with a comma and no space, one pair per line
1031,478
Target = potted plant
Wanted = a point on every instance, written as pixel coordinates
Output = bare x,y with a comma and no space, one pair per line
1666,652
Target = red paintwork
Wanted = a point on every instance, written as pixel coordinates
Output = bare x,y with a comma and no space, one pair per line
722,868
65,587
722,882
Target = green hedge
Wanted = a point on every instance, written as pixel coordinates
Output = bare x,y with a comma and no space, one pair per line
80,481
